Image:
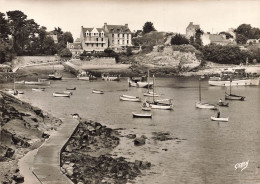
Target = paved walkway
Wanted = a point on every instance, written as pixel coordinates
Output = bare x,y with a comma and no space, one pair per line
46,165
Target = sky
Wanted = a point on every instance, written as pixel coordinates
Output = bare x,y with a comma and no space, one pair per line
167,15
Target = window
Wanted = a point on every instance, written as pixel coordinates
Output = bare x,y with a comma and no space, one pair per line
97,44
112,35
92,44
127,41
96,39
102,45
118,35
102,39
118,41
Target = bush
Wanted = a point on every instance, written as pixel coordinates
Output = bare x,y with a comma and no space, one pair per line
179,40
184,48
65,53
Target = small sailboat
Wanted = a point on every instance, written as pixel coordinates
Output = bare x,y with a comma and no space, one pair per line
141,115
97,91
166,105
201,105
132,81
231,96
146,107
137,99
219,119
144,83
55,75
58,94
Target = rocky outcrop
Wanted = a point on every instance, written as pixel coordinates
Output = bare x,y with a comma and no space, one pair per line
86,157
23,128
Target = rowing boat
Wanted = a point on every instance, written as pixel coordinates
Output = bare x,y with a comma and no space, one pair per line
139,115
219,119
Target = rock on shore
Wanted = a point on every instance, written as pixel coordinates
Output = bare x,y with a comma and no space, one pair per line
86,157
23,128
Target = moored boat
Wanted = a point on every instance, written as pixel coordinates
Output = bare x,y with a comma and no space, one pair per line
223,104
130,99
108,77
201,105
68,92
239,75
39,82
234,97
74,88
141,115
97,91
151,94
218,119
58,94
132,81
55,76
128,96
38,89
19,82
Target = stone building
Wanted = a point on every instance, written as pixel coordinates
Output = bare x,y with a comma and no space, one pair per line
119,36
191,30
93,39
75,48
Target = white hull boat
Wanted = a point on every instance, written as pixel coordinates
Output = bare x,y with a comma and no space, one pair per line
97,91
205,106
128,96
130,99
144,84
68,92
151,94
108,77
240,82
219,119
38,89
139,115
146,108
39,82
161,106
14,92
19,82
56,94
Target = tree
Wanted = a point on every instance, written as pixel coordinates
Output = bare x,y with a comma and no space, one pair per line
228,35
148,27
6,53
241,39
63,39
4,28
192,41
16,21
179,40
198,34
49,46
65,53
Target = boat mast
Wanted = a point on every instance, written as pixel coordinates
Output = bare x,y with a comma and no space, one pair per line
199,90
230,85
246,66
14,84
153,88
148,80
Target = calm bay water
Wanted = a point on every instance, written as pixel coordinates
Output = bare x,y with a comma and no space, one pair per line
211,149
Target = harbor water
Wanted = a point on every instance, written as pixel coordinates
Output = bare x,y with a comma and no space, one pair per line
205,151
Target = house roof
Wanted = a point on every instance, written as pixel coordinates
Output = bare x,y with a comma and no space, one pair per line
90,29
77,40
217,38
118,28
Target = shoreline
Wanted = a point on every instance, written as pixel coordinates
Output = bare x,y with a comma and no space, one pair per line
24,129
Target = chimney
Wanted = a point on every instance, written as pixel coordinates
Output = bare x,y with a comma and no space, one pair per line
126,25
105,24
191,23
